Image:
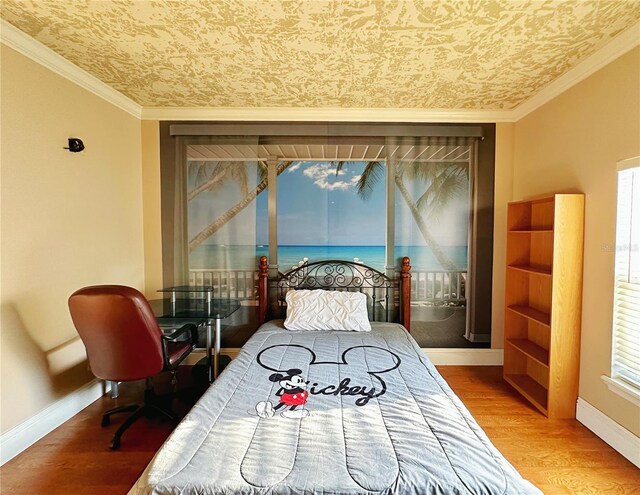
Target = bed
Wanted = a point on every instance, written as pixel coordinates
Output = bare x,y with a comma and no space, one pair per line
331,411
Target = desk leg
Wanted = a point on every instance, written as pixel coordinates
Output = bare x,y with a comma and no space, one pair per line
213,366
209,346
216,353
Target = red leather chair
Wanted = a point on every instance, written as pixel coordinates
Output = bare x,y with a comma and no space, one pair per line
125,343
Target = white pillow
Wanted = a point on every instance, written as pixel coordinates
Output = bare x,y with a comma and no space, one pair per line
326,310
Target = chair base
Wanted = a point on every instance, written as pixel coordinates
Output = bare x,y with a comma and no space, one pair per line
106,417
149,408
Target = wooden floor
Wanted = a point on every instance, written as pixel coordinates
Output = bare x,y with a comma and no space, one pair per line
559,456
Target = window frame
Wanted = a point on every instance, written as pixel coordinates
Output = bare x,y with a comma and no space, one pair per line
617,382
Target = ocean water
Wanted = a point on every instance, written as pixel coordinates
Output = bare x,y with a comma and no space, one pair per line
246,257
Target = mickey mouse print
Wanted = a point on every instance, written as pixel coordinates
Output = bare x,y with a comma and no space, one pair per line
294,390
292,394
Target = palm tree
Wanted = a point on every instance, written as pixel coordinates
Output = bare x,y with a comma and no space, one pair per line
445,181
210,176
213,176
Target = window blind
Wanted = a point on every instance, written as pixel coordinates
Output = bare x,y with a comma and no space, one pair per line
626,323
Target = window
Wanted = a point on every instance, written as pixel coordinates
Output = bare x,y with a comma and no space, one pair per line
626,312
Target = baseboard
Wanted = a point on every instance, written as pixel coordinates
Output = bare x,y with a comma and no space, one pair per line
232,352
478,337
22,436
465,357
621,439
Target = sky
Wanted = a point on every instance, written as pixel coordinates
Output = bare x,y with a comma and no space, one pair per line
318,207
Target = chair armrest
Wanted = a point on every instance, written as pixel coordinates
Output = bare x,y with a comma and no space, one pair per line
189,327
193,340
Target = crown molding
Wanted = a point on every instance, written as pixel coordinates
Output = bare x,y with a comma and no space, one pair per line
296,114
618,46
36,51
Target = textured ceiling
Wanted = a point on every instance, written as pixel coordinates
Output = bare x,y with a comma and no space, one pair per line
472,54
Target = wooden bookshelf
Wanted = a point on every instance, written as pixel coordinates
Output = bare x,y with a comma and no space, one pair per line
543,301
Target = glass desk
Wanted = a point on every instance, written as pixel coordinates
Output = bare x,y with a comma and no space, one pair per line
184,291
208,312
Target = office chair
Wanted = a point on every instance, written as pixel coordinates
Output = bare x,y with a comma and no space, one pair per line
125,343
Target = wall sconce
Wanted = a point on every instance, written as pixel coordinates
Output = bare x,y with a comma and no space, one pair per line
75,145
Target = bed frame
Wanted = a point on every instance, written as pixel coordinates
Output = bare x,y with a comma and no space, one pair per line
389,299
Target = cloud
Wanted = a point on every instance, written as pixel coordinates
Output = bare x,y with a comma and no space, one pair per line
323,184
294,167
320,174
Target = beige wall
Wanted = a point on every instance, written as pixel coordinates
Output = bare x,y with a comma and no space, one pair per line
572,144
68,220
503,193
151,207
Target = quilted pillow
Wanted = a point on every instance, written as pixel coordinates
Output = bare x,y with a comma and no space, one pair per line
326,310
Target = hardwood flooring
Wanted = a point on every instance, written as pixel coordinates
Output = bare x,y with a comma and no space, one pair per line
558,456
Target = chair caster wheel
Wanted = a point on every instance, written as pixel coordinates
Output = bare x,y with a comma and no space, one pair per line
106,421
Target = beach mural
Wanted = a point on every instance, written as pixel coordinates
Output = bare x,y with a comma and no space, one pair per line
326,210
337,210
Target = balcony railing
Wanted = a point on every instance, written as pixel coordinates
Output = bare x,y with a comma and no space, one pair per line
430,287
231,284
446,287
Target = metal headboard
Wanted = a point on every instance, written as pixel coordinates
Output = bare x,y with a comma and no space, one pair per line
388,298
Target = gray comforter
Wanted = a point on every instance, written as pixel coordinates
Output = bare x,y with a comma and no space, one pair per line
331,413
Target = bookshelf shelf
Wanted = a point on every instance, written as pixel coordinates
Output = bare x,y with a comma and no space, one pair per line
531,269
530,389
532,314
534,351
